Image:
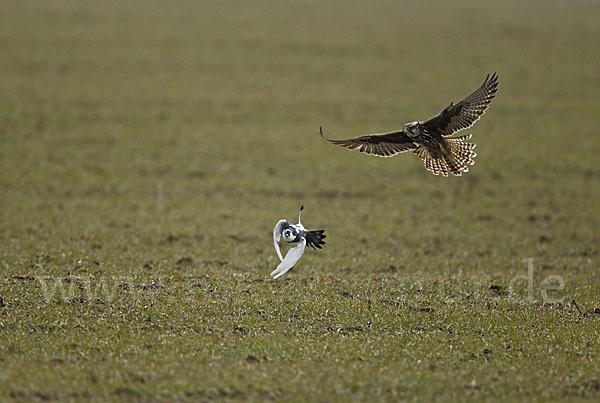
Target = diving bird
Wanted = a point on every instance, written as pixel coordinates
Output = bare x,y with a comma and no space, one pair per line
430,139
294,233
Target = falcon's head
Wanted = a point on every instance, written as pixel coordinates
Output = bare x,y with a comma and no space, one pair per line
412,128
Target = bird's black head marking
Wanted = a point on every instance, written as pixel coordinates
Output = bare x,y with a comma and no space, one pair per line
290,234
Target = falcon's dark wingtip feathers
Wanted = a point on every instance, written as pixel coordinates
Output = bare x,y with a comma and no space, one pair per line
493,83
493,79
334,141
320,131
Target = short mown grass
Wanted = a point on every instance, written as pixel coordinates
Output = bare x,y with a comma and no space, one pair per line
148,149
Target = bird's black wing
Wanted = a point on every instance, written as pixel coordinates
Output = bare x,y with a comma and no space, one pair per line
456,117
379,144
314,238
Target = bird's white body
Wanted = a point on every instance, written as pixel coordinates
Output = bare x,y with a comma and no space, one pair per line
291,258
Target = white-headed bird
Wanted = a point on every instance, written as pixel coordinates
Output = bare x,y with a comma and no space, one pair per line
294,233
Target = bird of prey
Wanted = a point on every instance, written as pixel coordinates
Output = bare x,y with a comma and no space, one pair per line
430,139
294,233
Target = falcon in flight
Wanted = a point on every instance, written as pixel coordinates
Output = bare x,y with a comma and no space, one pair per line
430,139
294,233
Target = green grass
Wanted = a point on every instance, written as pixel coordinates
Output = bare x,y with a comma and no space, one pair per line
110,291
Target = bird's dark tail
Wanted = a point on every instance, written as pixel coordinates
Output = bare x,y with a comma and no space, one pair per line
454,158
314,238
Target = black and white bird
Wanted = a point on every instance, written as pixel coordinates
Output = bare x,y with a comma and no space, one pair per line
294,233
430,139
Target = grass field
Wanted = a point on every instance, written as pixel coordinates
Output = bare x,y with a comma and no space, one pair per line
148,148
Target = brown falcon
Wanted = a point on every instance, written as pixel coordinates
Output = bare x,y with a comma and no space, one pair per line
430,139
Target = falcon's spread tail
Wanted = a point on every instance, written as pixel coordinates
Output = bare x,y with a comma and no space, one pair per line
314,238
458,155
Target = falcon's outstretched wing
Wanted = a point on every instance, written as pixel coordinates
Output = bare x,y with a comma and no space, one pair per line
456,117
293,255
279,227
379,144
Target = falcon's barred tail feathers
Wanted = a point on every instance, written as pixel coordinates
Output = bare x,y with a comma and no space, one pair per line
459,155
314,238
